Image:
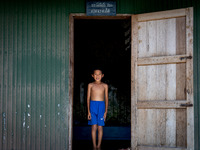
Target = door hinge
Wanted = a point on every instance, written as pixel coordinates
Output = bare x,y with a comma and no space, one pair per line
186,57
186,105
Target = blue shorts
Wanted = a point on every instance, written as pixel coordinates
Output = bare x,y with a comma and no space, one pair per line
97,110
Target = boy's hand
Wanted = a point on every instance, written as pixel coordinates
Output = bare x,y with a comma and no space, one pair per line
104,116
89,116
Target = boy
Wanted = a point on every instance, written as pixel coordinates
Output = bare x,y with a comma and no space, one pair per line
97,107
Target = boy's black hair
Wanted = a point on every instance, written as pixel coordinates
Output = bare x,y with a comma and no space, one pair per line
96,68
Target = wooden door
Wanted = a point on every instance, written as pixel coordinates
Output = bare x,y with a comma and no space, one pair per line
162,81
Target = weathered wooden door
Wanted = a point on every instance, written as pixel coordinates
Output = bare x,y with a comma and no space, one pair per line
162,81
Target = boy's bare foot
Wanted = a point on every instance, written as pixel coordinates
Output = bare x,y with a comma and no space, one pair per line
98,146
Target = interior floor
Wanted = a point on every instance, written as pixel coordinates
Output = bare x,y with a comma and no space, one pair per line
106,145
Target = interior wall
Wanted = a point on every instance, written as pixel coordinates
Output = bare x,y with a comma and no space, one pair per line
103,44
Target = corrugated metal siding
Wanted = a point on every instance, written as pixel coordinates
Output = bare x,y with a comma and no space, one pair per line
144,6
34,68
77,6
33,76
196,54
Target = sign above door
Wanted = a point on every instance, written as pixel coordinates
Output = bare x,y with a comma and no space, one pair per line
101,8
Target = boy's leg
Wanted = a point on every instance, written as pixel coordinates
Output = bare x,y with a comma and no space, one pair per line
94,130
100,135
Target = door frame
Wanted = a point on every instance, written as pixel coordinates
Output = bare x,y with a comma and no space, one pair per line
72,17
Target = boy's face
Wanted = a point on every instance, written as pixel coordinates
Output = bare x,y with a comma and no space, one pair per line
97,75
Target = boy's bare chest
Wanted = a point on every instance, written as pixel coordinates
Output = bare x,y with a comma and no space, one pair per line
97,88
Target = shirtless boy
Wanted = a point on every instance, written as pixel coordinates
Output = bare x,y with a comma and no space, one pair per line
97,107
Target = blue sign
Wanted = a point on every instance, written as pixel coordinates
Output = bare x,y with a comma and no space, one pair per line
101,8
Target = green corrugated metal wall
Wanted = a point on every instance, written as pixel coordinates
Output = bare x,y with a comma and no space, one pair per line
34,54
33,75
196,61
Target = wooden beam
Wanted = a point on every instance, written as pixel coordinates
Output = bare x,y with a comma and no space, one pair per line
134,49
189,78
158,148
181,115
161,15
84,16
71,79
161,60
160,104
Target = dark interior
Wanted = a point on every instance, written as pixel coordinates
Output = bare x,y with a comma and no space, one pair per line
105,45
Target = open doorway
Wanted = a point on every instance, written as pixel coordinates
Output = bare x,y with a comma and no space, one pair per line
104,44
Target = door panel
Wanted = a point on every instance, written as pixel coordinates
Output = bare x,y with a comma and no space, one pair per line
157,127
162,80
157,38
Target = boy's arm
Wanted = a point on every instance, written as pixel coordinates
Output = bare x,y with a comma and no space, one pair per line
88,101
106,100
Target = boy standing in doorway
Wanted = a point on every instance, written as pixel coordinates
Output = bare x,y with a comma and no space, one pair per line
97,107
